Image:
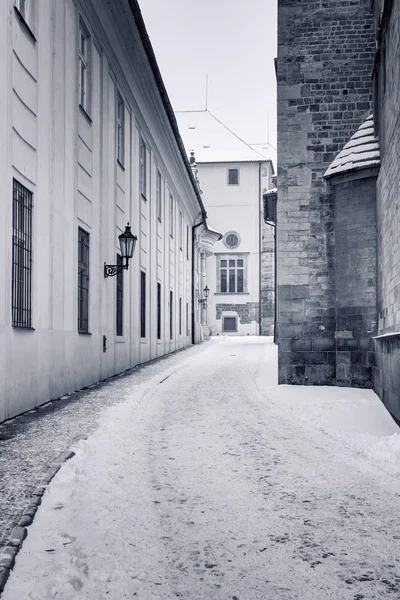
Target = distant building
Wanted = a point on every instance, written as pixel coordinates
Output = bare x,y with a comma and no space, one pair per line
89,143
338,256
240,269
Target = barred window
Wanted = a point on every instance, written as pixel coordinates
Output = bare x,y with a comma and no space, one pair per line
231,274
83,281
120,298
22,257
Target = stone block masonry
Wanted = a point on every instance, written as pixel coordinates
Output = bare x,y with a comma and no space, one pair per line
325,58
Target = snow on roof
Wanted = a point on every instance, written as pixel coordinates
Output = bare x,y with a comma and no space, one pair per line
360,152
212,141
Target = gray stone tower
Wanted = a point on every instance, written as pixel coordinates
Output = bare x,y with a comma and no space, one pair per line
324,72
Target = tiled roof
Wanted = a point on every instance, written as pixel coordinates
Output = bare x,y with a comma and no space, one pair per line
360,152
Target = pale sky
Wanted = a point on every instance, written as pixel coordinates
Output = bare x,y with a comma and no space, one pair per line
234,41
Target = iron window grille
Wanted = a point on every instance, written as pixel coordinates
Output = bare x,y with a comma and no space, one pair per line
233,176
22,257
158,194
143,167
142,304
83,281
159,311
120,129
120,298
84,67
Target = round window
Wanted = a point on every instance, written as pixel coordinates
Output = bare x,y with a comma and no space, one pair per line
232,240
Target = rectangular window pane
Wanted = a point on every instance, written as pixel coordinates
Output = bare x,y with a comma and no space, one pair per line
22,256
233,176
180,230
224,263
158,194
171,315
240,262
142,304
120,128
232,263
232,278
240,280
223,280
83,281
229,324
120,298
171,215
159,311
84,67
143,167
180,316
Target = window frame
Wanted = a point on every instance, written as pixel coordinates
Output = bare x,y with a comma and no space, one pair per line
180,230
159,194
187,242
120,126
223,324
119,312
180,314
171,214
83,275
22,253
232,170
143,168
187,320
143,304
85,62
225,271
171,315
159,301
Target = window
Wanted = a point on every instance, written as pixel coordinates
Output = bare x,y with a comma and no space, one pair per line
171,315
187,319
229,324
120,129
22,257
143,167
83,281
187,242
231,239
230,274
180,316
120,298
159,311
158,194
233,176
171,215
21,5
84,67
142,304
180,230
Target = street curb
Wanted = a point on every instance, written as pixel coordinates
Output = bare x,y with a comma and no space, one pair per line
9,552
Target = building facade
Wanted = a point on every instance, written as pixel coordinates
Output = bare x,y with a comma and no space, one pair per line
324,66
339,317
89,143
241,266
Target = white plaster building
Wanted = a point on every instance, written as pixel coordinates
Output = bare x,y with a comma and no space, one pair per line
240,267
88,142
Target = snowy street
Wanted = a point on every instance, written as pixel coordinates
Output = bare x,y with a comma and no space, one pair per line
211,482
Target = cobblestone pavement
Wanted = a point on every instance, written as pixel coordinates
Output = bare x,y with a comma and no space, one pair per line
34,445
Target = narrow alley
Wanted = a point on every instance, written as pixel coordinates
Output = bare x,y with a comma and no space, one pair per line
208,481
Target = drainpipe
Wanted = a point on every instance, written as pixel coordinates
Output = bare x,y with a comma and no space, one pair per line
259,248
194,227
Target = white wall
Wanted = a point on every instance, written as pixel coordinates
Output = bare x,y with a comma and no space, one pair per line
68,161
235,208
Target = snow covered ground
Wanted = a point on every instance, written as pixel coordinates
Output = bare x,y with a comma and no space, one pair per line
211,482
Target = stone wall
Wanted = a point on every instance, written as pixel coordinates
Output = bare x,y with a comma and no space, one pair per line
267,280
355,271
325,58
387,369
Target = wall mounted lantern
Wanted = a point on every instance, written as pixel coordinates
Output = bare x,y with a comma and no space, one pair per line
127,242
206,293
